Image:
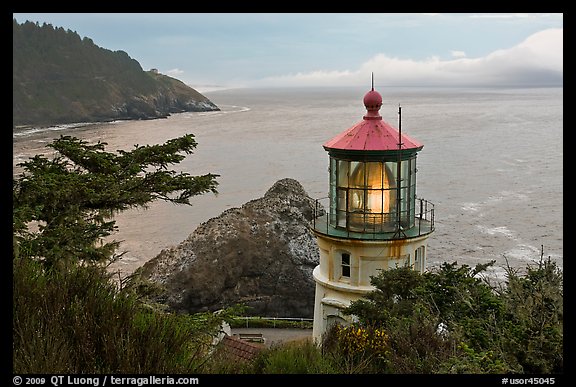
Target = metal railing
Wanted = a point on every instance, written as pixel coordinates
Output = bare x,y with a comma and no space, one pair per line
375,230
301,320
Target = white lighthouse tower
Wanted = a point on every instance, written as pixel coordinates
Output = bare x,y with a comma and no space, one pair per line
374,220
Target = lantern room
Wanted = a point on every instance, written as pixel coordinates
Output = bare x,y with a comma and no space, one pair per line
373,180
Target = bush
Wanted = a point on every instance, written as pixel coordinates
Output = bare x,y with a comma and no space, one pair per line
452,321
301,357
76,321
357,348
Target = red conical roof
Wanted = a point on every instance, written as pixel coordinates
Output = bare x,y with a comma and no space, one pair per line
372,133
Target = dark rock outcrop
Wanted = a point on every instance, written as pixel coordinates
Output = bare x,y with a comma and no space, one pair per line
260,255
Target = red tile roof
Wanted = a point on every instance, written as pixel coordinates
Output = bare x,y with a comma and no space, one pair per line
240,349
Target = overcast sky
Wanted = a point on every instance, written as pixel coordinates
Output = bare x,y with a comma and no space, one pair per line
331,49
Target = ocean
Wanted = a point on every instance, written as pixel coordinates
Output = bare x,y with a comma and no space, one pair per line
492,163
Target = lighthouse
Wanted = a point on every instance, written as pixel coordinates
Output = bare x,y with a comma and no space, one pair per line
372,219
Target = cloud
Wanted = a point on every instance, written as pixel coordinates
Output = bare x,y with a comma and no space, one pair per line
174,72
501,16
537,61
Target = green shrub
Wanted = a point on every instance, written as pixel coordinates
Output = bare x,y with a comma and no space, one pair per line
76,321
300,357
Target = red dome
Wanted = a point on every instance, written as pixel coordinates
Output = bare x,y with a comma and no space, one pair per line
373,100
372,133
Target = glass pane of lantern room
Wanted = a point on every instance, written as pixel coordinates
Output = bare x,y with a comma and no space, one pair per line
374,200
390,174
356,200
343,172
341,208
356,209
357,174
332,194
404,206
405,173
374,175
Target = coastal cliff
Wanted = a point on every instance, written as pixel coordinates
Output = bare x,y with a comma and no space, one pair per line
60,78
260,255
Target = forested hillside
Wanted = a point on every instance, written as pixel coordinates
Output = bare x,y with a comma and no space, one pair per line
59,77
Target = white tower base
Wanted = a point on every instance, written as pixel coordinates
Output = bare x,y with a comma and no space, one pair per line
345,271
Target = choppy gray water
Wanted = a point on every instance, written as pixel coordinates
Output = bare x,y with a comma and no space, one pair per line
491,163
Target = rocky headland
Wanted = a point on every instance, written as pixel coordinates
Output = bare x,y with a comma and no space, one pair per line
260,255
60,78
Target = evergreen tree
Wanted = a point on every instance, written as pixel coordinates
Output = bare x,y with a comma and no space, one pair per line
64,207
68,317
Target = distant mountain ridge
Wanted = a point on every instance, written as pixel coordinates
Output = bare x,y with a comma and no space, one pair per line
59,78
